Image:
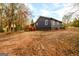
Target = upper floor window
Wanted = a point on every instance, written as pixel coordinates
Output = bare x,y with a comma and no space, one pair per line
57,23
46,22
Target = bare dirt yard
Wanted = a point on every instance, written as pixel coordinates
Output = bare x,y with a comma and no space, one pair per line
41,43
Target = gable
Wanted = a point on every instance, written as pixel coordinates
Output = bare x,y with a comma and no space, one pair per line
46,20
43,17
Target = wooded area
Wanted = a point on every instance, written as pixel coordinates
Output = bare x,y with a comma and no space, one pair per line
13,17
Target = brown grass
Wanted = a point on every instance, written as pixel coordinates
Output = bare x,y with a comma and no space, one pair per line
42,43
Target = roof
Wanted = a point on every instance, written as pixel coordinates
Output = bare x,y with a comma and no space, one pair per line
50,18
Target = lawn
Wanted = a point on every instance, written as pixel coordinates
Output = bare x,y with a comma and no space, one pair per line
41,43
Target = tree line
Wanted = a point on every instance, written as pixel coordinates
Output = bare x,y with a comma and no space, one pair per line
71,18
13,17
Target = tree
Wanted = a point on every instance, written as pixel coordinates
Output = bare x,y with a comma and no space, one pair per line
12,15
23,15
32,22
75,23
72,14
2,16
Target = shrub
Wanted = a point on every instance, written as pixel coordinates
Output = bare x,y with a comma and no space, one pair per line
63,27
26,28
18,27
75,23
1,29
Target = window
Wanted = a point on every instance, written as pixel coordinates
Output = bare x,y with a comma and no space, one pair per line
53,22
37,24
46,22
57,23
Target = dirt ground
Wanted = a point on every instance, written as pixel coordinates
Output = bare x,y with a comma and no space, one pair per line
41,43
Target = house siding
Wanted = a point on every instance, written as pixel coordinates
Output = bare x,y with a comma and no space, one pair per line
41,23
52,24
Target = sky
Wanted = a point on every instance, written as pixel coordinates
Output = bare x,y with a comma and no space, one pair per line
39,1
54,10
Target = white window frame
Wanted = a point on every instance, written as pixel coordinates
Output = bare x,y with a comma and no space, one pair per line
46,22
57,23
37,24
53,22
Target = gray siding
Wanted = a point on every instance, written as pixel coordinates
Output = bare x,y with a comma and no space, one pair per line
51,23
40,24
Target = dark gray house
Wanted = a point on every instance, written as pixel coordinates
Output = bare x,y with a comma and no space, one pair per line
47,23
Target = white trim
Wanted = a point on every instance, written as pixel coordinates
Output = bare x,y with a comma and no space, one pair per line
53,22
46,22
37,24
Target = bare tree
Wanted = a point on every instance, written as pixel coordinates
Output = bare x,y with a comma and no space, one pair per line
69,15
13,14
